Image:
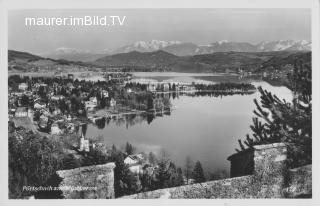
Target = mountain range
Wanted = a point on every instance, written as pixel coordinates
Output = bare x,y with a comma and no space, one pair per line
163,56
213,62
179,48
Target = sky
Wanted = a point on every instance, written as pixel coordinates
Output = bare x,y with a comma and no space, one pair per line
199,26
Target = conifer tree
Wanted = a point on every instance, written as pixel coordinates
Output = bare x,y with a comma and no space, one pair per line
288,122
198,174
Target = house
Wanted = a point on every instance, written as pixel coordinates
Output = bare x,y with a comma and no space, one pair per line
90,105
57,111
104,93
70,76
18,94
135,163
113,102
43,122
23,86
166,87
133,159
84,145
93,100
158,104
57,97
70,127
151,88
136,169
265,74
45,111
69,118
39,105
55,129
21,112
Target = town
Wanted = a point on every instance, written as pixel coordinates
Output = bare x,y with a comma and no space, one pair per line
59,107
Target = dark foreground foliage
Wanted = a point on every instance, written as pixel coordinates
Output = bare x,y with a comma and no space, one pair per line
288,122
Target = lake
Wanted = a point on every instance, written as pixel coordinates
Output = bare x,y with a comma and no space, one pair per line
205,128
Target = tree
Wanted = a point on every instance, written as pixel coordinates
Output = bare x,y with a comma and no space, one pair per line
129,149
188,168
33,159
162,174
152,158
125,183
198,174
288,122
150,103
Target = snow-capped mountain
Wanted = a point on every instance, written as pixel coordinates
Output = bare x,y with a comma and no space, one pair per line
179,48
146,46
185,49
73,54
284,45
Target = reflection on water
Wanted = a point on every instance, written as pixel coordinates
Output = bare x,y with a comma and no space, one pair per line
204,126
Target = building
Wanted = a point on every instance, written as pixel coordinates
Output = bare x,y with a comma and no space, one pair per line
39,105
135,163
23,86
84,145
90,105
57,97
21,112
56,111
113,102
151,88
55,129
104,93
70,76
70,127
133,159
166,87
93,100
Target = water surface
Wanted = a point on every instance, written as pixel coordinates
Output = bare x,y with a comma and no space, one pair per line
204,128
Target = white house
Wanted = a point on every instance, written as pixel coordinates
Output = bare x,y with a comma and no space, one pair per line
55,129
105,93
133,159
113,102
151,88
23,86
136,169
93,100
57,97
166,87
39,105
135,163
21,112
90,105
70,127
84,145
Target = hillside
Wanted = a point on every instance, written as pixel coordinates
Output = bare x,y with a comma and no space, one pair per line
144,59
24,61
164,61
214,62
22,56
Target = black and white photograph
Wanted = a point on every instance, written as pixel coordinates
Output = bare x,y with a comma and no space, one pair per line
160,102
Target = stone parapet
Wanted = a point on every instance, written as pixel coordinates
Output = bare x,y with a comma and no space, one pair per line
91,182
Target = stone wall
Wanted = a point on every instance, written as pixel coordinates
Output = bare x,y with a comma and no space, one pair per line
269,179
92,182
299,182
